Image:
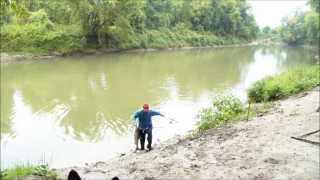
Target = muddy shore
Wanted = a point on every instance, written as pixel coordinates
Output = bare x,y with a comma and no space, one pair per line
261,148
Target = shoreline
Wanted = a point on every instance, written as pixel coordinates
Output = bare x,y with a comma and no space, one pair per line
238,150
16,57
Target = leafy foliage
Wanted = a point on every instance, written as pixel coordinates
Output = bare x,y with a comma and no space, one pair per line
303,27
227,108
40,37
21,171
122,24
285,84
315,4
224,108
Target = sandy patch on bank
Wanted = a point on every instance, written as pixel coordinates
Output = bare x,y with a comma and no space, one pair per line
261,148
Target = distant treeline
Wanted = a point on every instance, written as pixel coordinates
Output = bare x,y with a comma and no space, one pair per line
303,27
71,25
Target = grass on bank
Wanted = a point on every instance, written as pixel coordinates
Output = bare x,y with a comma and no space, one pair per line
224,108
227,108
285,84
21,171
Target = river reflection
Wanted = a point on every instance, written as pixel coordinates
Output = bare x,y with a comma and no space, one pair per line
76,110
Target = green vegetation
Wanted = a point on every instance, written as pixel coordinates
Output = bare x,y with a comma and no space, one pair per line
22,171
285,84
225,108
268,32
73,25
302,27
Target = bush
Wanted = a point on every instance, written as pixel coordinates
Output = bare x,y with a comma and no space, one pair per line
38,37
225,108
21,171
39,34
178,37
40,17
285,84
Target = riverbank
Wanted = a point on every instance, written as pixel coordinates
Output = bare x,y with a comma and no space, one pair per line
260,148
7,58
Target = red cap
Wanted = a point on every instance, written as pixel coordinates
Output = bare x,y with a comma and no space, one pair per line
145,107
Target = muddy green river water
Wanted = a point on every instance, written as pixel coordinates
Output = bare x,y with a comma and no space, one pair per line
76,110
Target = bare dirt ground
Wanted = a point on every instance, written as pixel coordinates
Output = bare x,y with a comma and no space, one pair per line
261,148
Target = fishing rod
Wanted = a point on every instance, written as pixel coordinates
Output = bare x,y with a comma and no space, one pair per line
171,119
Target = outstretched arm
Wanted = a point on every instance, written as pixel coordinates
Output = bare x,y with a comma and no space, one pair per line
154,113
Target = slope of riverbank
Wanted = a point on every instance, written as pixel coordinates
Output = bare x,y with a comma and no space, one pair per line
6,58
261,148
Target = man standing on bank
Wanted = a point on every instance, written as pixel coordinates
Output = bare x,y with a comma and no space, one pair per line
145,125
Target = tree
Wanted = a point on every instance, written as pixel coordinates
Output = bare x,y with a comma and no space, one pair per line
303,27
130,23
315,4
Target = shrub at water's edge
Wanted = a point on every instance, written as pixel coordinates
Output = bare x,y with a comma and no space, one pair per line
21,171
41,38
285,84
224,108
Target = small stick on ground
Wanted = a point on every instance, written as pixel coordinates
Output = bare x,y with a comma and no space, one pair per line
307,141
300,138
308,134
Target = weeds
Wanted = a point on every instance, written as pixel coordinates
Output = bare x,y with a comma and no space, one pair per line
285,84
224,108
227,108
21,171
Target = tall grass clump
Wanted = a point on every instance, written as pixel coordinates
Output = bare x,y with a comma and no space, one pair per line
224,108
22,171
287,83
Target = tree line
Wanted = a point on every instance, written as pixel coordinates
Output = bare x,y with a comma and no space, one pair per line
70,25
302,27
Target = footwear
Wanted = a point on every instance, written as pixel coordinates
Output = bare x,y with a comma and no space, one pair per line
149,149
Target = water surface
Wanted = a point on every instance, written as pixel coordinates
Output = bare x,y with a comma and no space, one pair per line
69,111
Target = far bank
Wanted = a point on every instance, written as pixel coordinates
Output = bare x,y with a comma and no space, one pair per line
14,57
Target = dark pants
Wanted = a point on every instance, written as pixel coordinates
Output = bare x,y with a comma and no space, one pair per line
142,134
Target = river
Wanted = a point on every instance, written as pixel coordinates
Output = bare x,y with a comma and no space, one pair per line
76,110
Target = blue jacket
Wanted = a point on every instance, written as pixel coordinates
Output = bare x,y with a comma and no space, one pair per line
145,118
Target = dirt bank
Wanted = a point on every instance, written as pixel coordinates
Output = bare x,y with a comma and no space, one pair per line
261,148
